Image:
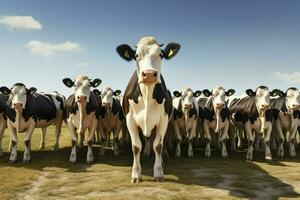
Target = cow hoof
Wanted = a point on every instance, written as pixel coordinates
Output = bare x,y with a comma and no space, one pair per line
90,162
26,161
10,162
159,179
268,158
136,180
72,162
55,148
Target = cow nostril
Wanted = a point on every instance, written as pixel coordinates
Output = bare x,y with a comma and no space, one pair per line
155,74
144,74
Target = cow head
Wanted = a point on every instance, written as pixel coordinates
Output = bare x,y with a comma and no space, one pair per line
107,96
148,56
82,85
292,99
18,95
187,98
218,95
262,97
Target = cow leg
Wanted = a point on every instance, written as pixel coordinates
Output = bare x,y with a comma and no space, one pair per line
90,138
223,136
2,127
257,140
73,156
208,138
14,142
190,138
80,145
240,138
178,139
43,135
136,174
116,132
278,131
147,149
250,138
273,139
292,139
58,125
232,138
158,147
27,141
268,154
103,139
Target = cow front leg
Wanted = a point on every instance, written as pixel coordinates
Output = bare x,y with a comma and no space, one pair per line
208,138
116,132
81,139
178,139
90,139
27,141
13,144
43,135
257,140
240,138
292,139
147,149
191,136
232,133
158,147
2,127
268,154
103,139
250,138
278,132
223,136
73,156
136,174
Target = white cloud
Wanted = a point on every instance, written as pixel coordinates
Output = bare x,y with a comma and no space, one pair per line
288,78
47,49
20,22
81,64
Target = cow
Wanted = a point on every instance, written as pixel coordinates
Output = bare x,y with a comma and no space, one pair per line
216,116
82,110
3,123
28,110
286,118
111,119
147,104
253,114
186,112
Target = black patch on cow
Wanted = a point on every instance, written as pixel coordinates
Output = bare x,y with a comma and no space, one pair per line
177,114
3,103
27,143
90,143
13,143
135,149
209,112
160,93
38,106
158,148
94,105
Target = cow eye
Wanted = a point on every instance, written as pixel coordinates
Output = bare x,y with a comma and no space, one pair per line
136,56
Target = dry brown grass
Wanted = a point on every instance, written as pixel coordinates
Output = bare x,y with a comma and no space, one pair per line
49,176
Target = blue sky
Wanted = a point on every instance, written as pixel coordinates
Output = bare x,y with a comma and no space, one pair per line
237,44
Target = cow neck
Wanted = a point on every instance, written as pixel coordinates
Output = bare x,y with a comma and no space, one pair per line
82,113
147,91
262,117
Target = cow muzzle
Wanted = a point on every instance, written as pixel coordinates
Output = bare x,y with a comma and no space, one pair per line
294,107
81,99
149,76
106,105
264,107
220,106
17,106
187,106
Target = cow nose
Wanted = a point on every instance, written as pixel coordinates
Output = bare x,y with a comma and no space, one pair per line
295,106
265,106
187,106
220,105
149,76
81,98
17,105
106,104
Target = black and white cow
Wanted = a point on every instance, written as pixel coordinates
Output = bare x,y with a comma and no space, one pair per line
253,114
28,110
147,104
286,118
186,112
111,119
216,116
82,110
3,123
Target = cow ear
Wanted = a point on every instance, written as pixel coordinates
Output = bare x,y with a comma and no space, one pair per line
230,92
277,92
117,92
126,52
171,50
206,92
197,93
96,92
96,82
68,82
250,92
177,94
31,90
4,90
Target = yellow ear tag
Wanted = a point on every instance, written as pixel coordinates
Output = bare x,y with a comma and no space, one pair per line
126,54
170,53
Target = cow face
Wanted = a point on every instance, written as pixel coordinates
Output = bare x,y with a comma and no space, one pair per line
18,95
218,95
148,56
262,97
82,87
292,99
187,97
107,96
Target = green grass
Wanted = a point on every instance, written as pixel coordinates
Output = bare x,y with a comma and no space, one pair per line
49,176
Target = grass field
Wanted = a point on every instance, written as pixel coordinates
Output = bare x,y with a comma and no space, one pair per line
49,175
